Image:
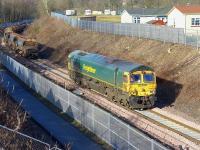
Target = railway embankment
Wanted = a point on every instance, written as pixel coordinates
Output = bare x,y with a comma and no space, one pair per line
177,66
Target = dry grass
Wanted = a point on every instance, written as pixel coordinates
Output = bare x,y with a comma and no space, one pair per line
11,115
14,117
178,84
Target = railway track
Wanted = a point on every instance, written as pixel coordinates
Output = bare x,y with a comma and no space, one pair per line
168,130
186,131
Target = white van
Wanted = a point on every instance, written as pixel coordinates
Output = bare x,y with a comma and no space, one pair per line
70,12
88,12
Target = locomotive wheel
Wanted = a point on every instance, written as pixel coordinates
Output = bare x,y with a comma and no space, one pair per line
106,91
109,94
123,102
114,99
78,81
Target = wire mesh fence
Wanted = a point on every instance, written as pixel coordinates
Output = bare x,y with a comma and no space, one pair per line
160,33
109,128
11,139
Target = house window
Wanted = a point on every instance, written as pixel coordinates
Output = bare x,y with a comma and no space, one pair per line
195,22
136,19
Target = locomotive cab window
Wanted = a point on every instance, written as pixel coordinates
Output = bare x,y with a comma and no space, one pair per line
135,78
148,77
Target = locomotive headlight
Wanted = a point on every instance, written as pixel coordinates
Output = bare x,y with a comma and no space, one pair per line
135,92
153,92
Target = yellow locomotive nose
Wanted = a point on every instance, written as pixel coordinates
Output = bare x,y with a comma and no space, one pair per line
145,85
143,91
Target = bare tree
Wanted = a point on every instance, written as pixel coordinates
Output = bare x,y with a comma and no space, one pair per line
13,10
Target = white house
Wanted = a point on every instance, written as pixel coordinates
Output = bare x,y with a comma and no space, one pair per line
187,17
144,15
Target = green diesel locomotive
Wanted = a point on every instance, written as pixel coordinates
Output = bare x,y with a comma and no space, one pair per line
129,84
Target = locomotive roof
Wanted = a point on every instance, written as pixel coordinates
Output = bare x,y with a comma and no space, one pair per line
122,65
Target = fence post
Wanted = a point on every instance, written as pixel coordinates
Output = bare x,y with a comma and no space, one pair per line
152,145
101,28
172,36
185,37
68,97
109,129
139,31
76,20
128,136
178,36
93,120
91,27
87,26
119,29
197,40
95,27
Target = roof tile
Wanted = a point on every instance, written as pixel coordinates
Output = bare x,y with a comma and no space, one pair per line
189,9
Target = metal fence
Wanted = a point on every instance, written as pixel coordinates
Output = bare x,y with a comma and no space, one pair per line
109,128
11,139
160,33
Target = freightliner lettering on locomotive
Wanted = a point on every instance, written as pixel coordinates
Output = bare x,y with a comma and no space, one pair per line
129,84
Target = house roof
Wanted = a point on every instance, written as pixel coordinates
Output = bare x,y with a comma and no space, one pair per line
149,11
157,22
188,9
